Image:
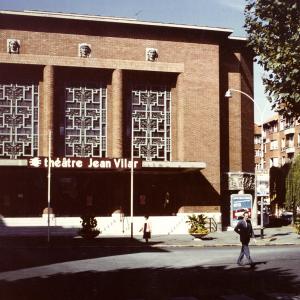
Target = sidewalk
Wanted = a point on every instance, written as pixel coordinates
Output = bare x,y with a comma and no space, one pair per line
62,237
285,235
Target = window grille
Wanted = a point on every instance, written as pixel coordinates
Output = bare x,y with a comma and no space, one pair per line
85,122
19,120
151,113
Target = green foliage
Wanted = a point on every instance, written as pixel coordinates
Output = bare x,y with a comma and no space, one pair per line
273,28
292,184
197,224
297,225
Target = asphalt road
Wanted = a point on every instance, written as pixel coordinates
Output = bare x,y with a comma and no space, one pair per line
90,272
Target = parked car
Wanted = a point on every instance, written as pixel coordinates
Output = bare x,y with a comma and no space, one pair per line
286,217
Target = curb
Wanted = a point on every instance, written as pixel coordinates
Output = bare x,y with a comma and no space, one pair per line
145,246
219,245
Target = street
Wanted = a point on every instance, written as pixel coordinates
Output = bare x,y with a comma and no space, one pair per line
140,272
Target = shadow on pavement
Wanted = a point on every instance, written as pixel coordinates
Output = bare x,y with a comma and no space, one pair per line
152,283
26,252
281,234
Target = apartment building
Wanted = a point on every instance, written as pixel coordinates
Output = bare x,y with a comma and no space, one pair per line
281,141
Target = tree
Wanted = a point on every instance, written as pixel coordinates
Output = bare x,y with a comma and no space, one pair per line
273,28
292,185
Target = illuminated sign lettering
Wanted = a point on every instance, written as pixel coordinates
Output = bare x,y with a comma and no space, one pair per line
84,163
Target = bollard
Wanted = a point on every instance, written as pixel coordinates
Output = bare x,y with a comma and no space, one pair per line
261,232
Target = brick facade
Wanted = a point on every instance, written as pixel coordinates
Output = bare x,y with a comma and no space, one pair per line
197,64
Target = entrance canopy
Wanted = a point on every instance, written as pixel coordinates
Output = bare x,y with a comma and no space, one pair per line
172,165
146,165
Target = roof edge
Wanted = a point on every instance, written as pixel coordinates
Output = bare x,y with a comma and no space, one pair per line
72,16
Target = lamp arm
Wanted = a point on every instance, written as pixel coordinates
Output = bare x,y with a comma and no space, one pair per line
254,102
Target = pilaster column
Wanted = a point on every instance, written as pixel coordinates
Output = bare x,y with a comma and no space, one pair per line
117,113
46,110
235,124
180,117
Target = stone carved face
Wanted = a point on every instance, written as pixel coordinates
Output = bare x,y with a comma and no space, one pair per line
151,54
85,50
13,46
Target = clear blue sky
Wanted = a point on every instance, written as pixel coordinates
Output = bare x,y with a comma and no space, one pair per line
214,13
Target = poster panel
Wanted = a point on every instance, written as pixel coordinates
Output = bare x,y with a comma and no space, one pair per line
239,204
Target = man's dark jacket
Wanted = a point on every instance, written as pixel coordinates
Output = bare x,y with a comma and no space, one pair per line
245,232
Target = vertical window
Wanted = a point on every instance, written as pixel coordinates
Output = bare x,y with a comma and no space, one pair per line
151,113
19,120
85,121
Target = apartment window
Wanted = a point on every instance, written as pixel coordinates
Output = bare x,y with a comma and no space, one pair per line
298,144
289,122
290,156
274,162
274,145
290,141
257,139
281,124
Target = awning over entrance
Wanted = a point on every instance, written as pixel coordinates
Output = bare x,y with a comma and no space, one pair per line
146,165
13,162
174,164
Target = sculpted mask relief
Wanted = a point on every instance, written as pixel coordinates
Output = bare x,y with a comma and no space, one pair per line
151,54
84,50
13,46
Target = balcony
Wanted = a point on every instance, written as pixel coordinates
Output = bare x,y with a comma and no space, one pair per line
290,130
290,149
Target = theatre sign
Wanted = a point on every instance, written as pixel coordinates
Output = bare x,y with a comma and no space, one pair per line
84,163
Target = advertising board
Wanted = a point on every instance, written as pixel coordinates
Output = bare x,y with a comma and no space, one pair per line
239,204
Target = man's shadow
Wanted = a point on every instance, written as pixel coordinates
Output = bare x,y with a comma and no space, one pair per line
252,266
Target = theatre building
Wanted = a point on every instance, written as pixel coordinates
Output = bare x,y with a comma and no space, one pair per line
93,90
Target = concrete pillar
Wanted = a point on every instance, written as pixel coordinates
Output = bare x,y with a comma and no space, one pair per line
180,117
117,113
46,110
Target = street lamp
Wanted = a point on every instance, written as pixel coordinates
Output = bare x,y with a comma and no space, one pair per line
228,94
131,178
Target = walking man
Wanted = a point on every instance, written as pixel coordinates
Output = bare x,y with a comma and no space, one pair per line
245,230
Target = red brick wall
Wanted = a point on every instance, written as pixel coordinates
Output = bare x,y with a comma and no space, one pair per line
205,77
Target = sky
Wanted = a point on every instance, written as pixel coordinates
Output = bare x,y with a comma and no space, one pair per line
213,13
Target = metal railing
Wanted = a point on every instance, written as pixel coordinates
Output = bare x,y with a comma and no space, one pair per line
213,226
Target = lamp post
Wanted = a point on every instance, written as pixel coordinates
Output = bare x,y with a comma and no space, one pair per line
228,94
131,179
49,185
